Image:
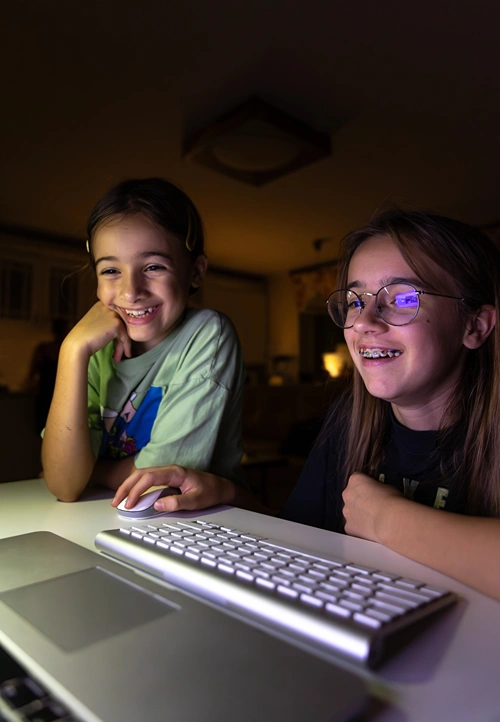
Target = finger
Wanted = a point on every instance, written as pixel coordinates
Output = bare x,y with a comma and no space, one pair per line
127,346
130,482
142,485
194,499
118,350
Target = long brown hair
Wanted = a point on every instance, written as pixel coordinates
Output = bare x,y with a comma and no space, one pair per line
444,253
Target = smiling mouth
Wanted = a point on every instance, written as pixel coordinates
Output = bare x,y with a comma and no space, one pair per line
140,312
379,352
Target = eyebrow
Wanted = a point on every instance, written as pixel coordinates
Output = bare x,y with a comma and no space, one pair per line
412,280
141,256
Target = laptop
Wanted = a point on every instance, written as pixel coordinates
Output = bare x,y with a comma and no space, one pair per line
111,644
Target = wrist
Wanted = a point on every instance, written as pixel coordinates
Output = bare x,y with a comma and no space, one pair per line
390,519
72,351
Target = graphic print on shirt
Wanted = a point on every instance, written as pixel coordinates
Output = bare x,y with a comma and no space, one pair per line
410,486
128,431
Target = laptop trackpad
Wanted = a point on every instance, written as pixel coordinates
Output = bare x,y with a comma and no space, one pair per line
85,607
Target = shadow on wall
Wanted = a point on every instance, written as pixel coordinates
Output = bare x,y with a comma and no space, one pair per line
20,443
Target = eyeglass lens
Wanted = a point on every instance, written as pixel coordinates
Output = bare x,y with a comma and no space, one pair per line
397,304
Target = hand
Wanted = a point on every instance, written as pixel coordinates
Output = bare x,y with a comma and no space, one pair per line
98,327
199,489
366,504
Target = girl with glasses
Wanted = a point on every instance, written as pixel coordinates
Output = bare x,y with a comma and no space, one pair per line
410,456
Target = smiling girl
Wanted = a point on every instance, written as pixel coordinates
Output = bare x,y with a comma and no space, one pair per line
411,457
143,380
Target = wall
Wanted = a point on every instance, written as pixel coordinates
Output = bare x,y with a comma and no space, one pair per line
19,338
283,320
245,300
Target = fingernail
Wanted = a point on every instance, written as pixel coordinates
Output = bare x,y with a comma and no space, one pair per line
158,505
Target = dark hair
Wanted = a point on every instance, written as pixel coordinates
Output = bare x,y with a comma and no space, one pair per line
157,200
451,254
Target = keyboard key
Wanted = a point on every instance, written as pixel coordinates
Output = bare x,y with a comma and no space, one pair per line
385,576
176,549
409,583
301,587
224,567
433,591
280,580
403,593
311,601
338,610
379,614
245,575
349,604
267,583
397,600
368,621
287,592
261,573
361,568
326,597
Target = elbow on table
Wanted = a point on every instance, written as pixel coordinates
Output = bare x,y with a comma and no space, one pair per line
60,489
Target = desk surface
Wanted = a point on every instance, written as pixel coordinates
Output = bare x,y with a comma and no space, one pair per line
450,673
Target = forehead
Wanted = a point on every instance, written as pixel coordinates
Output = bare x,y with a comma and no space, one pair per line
122,237
378,260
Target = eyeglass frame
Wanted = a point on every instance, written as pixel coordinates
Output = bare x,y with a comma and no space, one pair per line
367,293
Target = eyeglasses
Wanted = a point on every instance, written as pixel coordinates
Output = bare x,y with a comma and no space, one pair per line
397,304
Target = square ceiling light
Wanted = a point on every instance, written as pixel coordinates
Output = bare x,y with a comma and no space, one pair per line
256,143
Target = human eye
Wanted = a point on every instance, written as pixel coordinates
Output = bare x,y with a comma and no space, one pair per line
155,268
353,303
108,272
408,299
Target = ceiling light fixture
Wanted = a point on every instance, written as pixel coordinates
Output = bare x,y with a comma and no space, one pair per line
256,143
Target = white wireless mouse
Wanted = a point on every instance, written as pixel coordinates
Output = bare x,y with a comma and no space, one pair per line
144,507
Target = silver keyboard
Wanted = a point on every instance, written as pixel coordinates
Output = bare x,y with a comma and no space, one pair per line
332,605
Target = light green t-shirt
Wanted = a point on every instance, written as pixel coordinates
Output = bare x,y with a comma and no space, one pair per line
179,403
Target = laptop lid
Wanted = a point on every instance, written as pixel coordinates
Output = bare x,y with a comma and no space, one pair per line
116,646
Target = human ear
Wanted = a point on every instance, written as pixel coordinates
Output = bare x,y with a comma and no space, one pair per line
199,270
479,326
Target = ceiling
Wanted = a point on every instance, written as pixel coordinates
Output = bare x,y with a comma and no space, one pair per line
100,90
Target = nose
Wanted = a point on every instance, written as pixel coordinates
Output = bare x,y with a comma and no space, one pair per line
132,288
369,320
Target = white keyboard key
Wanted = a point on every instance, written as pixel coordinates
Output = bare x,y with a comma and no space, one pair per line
312,601
361,568
224,567
287,592
326,597
267,583
245,575
339,611
367,620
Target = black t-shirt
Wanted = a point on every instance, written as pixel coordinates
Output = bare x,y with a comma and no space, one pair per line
412,464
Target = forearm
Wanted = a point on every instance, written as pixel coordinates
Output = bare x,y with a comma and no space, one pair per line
66,450
464,547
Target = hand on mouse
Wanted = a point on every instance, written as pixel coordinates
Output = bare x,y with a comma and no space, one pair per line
199,489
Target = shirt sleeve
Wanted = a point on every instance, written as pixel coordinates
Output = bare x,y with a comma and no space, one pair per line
202,401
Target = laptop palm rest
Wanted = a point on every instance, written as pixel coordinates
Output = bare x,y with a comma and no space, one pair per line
85,607
115,646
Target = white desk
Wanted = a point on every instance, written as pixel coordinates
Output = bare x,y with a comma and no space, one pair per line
450,674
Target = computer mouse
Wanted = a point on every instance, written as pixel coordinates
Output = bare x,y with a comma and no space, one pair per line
144,507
